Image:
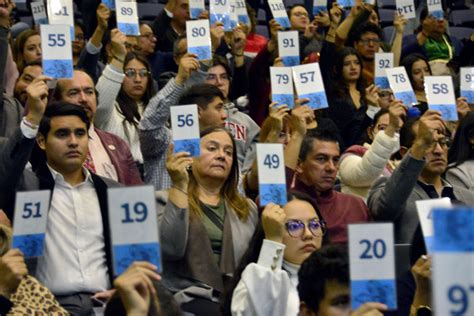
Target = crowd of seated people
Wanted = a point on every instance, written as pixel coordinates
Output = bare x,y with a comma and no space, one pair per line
366,158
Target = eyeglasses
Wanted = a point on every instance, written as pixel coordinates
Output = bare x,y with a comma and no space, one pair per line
213,77
374,41
78,37
300,14
444,142
132,73
296,227
385,94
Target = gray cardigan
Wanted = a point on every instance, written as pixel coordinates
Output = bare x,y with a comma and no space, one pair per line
186,248
393,199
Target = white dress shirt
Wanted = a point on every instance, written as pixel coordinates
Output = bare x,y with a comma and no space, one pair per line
264,288
102,163
74,257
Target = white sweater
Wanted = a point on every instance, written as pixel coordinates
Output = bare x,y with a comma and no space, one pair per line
358,173
108,116
264,288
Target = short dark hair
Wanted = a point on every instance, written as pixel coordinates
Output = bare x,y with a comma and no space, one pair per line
330,263
356,34
61,109
321,134
218,60
201,94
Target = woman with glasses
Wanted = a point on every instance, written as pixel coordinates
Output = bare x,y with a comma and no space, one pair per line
268,274
131,90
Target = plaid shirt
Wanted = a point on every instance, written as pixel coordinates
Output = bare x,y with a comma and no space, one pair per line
155,134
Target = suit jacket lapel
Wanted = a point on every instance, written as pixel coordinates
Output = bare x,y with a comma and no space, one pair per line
101,189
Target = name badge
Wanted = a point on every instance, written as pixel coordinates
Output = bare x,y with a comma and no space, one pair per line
134,226
309,84
185,125
29,223
467,83
220,12
372,264
453,260
39,13
282,86
61,12
199,39
425,214
440,94
435,8
279,13
346,3
401,86
195,8
407,8
241,9
127,18
57,51
289,48
319,6
271,174
382,62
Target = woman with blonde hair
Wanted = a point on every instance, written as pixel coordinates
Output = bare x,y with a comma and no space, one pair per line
205,223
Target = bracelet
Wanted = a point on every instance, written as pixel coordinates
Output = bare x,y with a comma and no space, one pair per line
119,59
29,124
179,189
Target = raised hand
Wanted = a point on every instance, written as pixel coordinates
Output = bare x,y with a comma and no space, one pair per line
273,222
431,128
217,34
187,64
371,95
370,309
399,22
135,287
301,115
118,40
177,166
12,270
397,112
37,99
103,16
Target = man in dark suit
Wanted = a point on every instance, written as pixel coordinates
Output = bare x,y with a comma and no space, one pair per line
77,260
110,155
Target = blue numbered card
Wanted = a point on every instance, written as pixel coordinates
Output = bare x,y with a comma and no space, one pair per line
279,13
382,62
282,86
196,7
29,224
406,8
109,3
271,174
289,48
133,209
185,128
467,83
127,18
401,86
199,39
309,85
372,264
57,51
319,6
39,13
453,259
425,215
241,10
440,94
346,3
220,12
